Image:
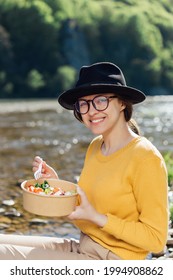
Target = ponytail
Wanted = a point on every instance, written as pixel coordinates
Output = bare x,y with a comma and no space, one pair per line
134,126
128,117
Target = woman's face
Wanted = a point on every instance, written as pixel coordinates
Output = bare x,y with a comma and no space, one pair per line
103,122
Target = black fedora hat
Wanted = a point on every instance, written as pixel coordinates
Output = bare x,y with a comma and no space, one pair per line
99,78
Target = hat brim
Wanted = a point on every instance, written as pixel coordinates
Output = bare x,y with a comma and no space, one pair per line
69,97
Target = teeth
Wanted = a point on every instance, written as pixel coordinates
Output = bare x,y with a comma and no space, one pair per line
96,121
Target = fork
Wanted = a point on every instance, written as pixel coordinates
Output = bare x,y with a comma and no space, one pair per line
38,174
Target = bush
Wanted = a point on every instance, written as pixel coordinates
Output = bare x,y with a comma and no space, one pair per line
66,76
171,212
35,80
168,157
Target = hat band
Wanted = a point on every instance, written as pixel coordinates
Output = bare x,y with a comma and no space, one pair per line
98,83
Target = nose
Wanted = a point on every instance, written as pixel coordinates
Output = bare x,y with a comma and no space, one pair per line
92,109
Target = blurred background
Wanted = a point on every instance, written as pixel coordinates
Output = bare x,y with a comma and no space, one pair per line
43,44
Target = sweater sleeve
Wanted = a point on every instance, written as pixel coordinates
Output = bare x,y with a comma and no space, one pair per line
150,190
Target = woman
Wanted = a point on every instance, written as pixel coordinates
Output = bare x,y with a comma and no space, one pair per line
122,212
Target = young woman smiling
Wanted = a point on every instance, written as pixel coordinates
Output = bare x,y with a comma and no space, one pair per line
122,212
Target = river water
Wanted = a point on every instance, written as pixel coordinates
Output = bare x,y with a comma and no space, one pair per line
42,127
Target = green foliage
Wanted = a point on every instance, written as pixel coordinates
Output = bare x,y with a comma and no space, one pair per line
171,212
2,77
168,157
41,36
35,80
66,76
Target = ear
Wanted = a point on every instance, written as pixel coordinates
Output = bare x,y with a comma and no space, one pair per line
123,105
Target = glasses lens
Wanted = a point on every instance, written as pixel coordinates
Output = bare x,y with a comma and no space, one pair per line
100,103
82,106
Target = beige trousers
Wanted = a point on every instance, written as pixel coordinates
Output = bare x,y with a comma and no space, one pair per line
17,247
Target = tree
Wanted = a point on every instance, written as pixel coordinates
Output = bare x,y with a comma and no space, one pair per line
42,40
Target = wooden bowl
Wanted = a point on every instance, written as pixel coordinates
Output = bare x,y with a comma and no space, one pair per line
49,205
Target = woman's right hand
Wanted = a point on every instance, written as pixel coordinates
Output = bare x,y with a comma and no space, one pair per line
47,171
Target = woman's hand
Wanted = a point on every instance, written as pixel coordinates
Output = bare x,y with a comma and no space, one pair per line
85,211
47,171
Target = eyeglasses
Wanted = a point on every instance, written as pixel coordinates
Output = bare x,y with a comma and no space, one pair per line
100,103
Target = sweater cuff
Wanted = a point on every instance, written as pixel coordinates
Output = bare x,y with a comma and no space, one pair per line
114,226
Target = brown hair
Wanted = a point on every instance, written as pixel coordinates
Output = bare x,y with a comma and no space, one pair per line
127,115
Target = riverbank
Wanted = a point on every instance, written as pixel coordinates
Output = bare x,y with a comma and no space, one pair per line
42,127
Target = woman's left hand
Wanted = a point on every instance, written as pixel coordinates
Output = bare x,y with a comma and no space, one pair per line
85,211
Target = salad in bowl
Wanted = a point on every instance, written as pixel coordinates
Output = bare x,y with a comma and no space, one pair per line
51,197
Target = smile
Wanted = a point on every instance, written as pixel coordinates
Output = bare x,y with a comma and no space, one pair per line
97,120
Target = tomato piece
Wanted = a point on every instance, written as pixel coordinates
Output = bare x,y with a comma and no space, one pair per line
30,188
56,190
38,190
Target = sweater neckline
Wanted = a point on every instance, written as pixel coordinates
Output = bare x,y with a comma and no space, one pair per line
102,157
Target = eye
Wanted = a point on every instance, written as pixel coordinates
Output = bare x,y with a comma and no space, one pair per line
100,100
82,103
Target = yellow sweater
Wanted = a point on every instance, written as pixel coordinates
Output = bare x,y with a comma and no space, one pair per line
130,187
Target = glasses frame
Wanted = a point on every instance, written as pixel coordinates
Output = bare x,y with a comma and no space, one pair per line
94,105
